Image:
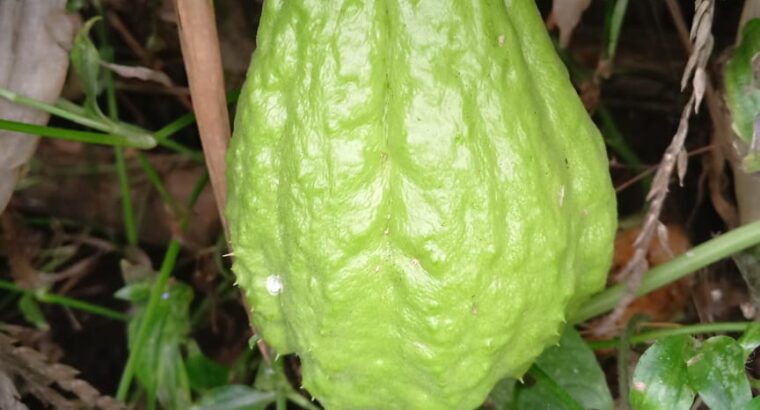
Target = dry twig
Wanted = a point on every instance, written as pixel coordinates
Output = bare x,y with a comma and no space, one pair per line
673,159
203,62
200,50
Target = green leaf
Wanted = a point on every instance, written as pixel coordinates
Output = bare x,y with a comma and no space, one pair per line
545,394
750,340
716,371
85,59
743,91
503,396
660,381
754,404
73,6
204,373
31,311
137,293
614,16
573,366
160,368
235,397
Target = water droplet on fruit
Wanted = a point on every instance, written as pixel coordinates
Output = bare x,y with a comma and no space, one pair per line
274,284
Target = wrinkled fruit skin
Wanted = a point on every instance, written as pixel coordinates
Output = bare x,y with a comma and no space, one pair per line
417,196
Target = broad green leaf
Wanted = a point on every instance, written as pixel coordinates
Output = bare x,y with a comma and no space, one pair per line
502,396
754,404
161,368
235,397
716,372
743,91
750,340
573,366
545,394
204,373
660,381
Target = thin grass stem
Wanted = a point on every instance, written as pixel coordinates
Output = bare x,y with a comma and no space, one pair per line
644,337
75,135
72,303
698,257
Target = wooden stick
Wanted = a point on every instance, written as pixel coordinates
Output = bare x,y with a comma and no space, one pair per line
203,63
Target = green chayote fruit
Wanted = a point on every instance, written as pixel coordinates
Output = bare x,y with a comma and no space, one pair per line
417,196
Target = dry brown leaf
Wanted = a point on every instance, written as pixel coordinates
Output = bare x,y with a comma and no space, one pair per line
34,36
10,399
54,384
663,304
567,14
637,265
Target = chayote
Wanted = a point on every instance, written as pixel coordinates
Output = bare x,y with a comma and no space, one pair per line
417,196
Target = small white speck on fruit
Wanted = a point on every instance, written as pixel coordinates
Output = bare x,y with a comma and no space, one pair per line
377,268
639,386
415,262
501,39
386,231
561,196
274,284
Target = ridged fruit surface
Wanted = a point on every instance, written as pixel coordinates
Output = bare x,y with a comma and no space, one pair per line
417,196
